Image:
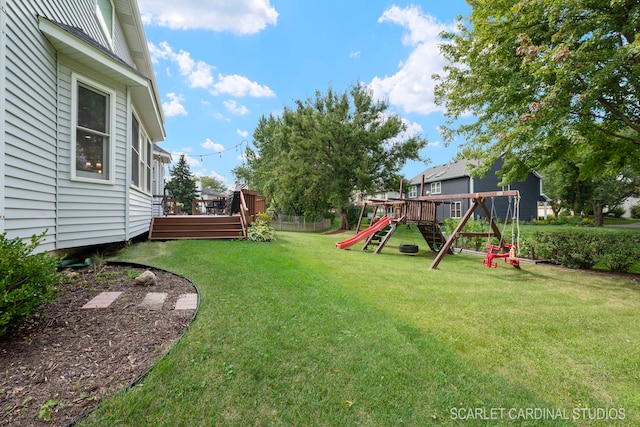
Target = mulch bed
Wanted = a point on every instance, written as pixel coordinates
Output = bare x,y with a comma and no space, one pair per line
61,362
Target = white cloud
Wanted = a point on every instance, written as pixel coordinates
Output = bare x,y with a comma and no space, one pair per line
235,108
174,107
199,74
355,55
237,16
411,88
210,145
192,162
237,85
242,133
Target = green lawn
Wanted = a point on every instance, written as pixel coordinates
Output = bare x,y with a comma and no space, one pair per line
297,332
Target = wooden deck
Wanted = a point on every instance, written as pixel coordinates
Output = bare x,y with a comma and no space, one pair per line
196,227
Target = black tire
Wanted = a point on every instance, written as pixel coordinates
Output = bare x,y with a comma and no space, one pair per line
408,249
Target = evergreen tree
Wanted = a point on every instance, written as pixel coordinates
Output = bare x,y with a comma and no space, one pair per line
183,184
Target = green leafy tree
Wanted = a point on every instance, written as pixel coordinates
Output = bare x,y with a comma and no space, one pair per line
214,184
588,195
545,80
183,184
313,157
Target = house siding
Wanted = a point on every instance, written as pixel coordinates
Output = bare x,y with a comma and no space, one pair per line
36,187
499,207
84,203
30,151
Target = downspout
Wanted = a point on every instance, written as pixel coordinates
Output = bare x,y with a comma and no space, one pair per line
3,80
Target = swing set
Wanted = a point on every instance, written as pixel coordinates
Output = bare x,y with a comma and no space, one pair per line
422,212
507,251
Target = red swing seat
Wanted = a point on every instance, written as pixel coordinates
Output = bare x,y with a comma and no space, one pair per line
497,251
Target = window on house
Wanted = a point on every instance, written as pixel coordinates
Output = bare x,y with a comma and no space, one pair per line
141,154
135,152
148,164
104,12
92,144
436,187
413,191
456,210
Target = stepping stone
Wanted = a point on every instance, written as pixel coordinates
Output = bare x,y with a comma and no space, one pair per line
154,300
101,301
187,302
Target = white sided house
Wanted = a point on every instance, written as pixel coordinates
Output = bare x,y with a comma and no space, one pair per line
79,116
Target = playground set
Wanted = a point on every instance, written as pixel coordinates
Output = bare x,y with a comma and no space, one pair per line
422,213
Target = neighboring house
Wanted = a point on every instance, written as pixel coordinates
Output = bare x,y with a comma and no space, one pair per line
454,178
628,205
79,115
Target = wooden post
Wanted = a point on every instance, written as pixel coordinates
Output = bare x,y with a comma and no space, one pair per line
364,205
443,250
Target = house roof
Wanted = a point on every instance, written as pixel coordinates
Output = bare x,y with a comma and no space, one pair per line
457,169
77,44
210,192
163,154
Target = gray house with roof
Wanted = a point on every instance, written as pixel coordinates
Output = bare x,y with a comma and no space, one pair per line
79,115
455,178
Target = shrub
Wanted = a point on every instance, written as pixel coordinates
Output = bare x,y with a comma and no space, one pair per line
584,249
635,211
27,280
261,229
573,249
622,252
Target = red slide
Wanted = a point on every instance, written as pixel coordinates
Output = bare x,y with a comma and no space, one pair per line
382,223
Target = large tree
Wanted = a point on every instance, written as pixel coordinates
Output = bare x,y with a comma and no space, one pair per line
317,154
214,184
183,184
544,80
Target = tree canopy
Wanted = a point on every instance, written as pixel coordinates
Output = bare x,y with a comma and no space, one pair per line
214,184
546,80
182,184
314,156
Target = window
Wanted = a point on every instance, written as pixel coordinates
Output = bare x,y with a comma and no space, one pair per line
91,151
456,210
436,187
148,146
141,154
135,152
104,12
413,191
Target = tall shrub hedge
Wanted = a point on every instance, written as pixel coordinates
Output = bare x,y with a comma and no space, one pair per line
585,248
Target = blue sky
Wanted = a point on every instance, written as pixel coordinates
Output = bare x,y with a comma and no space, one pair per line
220,65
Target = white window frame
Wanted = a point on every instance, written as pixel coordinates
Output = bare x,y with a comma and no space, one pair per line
106,29
436,187
144,151
108,175
413,192
456,210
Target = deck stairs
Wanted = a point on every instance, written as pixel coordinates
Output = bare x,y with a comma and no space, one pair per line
196,227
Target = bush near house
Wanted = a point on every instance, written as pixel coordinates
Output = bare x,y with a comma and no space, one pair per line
261,229
27,280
